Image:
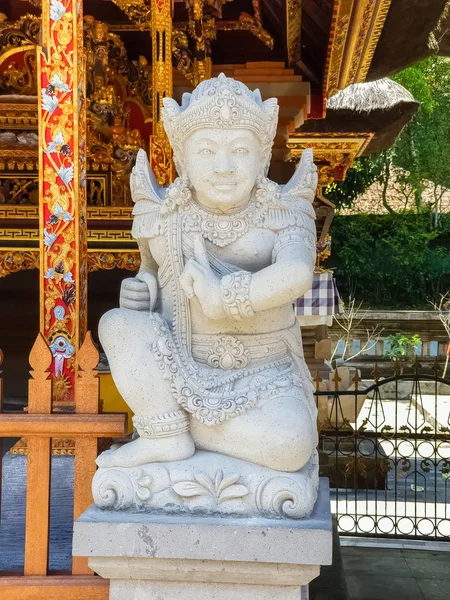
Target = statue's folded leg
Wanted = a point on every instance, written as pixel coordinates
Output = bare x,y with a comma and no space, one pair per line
280,435
127,337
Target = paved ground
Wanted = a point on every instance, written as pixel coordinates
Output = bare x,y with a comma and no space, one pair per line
370,573
331,584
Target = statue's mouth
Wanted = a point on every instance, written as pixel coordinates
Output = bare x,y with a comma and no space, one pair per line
225,187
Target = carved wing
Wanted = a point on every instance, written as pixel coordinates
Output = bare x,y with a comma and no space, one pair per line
303,182
143,182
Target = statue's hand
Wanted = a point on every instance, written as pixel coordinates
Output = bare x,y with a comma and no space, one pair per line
139,293
199,280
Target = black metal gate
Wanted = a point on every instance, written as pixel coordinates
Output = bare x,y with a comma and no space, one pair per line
385,446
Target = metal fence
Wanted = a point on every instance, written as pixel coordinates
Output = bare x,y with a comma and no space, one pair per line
385,446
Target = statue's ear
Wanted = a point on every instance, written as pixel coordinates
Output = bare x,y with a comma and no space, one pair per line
143,183
185,100
178,162
171,107
303,182
270,107
257,96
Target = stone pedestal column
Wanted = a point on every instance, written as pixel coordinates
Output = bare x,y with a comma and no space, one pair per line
183,557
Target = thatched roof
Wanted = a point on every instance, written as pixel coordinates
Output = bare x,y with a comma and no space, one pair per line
383,107
382,94
413,30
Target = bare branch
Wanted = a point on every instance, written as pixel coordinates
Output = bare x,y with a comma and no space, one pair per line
443,311
350,322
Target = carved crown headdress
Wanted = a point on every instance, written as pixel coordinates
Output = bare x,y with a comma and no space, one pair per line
221,103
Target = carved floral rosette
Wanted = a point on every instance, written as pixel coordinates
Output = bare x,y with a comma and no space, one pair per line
210,485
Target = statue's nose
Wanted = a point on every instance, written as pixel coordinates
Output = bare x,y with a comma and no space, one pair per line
223,164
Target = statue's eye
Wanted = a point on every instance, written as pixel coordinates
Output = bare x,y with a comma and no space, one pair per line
241,150
205,151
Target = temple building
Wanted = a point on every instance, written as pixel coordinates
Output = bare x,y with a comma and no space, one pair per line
81,89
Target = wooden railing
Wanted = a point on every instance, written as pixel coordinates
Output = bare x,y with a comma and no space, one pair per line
39,425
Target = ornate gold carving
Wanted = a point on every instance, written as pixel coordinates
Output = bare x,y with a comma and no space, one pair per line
192,49
112,148
97,190
18,116
336,46
103,213
254,25
202,31
138,11
109,235
333,153
107,260
325,175
19,191
126,144
20,234
183,60
251,23
162,86
13,260
293,30
323,252
112,145
142,88
20,80
18,159
161,157
108,64
60,447
110,213
19,33
350,66
36,3
19,212
94,235
353,40
106,55
379,18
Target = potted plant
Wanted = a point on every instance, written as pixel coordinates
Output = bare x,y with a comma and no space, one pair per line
402,348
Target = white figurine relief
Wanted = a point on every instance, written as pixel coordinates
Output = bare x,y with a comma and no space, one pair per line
205,347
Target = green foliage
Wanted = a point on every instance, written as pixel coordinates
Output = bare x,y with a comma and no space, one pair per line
391,261
365,171
420,154
424,144
401,347
400,260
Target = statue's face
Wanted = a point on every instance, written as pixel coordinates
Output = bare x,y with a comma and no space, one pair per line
222,166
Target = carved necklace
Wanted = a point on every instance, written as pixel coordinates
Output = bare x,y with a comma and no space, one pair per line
221,229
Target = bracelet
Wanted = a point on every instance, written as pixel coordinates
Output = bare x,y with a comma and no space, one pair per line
159,426
235,292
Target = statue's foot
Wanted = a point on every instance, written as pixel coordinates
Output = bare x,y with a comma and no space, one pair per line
143,451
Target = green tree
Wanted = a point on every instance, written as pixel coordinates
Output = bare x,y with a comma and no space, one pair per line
391,261
423,148
420,155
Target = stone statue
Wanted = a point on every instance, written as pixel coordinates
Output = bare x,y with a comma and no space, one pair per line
205,347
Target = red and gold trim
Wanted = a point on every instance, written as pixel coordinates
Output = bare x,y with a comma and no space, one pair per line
62,175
